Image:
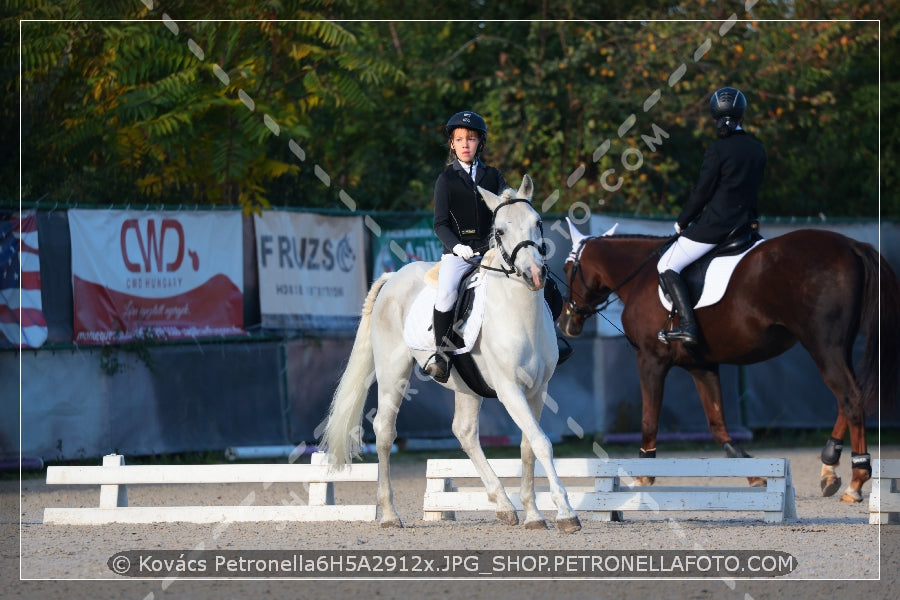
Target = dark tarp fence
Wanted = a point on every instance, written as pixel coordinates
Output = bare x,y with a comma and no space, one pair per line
79,402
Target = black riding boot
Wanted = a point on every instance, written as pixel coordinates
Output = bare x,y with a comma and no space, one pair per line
555,302
678,292
565,350
438,366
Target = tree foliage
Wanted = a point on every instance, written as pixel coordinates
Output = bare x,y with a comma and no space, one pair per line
334,104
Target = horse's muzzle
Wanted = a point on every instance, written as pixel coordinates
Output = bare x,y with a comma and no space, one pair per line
570,326
536,277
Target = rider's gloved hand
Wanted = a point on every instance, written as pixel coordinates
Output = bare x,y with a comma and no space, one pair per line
463,251
677,227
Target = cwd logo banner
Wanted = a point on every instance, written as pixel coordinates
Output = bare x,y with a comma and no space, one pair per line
165,275
312,270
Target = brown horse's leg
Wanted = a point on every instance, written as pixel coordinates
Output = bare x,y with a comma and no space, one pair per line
709,387
859,459
653,374
861,465
829,481
837,372
710,390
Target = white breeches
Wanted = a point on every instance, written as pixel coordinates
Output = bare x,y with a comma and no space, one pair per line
449,276
682,253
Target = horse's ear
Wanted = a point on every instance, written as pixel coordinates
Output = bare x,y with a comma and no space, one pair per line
490,198
526,189
576,235
610,231
577,238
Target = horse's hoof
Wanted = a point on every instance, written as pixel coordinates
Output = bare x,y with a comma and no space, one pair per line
644,480
830,485
570,525
851,496
536,524
508,517
389,523
757,481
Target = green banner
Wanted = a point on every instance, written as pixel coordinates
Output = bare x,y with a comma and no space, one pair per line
402,241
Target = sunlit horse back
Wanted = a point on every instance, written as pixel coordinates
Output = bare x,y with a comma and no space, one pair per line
516,353
815,287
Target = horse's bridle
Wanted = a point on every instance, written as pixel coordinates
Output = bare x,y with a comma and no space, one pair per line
510,260
581,310
587,311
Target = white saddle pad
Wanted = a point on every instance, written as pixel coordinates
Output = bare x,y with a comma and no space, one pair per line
717,277
417,329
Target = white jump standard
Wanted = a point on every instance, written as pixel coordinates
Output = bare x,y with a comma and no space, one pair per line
884,502
607,497
114,477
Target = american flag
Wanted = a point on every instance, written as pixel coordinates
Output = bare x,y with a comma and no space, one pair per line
22,320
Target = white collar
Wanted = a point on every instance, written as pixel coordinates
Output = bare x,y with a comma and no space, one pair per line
469,169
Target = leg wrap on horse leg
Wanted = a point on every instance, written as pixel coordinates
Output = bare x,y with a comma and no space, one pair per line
831,453
861,461
732,450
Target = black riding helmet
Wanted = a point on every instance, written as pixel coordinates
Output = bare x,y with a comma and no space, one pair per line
727,102
469,120
727,107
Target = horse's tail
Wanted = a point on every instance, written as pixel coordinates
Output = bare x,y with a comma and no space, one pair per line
342,435
879,317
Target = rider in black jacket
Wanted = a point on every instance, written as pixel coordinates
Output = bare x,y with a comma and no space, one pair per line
724,199
463,223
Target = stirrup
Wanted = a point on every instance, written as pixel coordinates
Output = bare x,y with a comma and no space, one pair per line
438,367
684,336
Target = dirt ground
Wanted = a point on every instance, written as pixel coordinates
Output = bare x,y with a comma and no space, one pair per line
837,552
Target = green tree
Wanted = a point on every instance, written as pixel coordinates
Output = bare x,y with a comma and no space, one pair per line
349,112
184,111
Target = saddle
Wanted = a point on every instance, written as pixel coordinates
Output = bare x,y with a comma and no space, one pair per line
463,362
469,303
707,278
469,309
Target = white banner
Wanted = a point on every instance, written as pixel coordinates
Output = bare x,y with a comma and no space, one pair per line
312,270
166,275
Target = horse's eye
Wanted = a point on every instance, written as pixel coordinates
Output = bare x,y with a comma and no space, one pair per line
500,232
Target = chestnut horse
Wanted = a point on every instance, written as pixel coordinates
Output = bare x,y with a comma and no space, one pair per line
813,286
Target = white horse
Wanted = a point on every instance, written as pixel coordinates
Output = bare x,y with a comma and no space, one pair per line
516,353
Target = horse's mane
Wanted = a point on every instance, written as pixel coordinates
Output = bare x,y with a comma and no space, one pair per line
634,236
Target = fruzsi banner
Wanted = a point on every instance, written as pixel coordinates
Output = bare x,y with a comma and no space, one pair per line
160,275
312,270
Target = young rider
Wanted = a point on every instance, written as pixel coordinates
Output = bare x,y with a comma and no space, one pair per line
724,199
463,223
